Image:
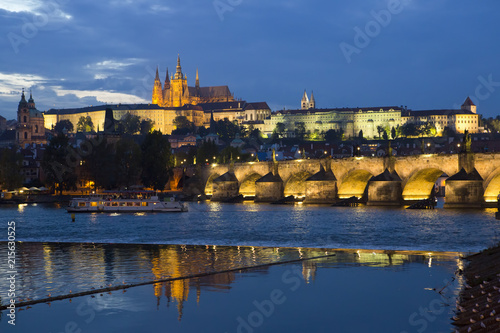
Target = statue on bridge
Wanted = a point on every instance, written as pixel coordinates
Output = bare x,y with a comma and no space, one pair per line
467,142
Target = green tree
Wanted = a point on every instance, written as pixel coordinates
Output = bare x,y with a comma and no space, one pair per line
394,133
63,125
206,153
279,130
380,130
130,124
59,162
300,130
409,129
334,135
385,136
85,124
183,126
127,162
99,165
227,130
147,126
360,135
156,160
10,166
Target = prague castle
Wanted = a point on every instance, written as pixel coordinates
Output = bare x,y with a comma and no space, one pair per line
176,92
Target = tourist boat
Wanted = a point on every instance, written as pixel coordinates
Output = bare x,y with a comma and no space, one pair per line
124,205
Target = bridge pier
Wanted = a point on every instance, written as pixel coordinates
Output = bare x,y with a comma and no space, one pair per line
321,188
464,190
225,187
385,190
269,188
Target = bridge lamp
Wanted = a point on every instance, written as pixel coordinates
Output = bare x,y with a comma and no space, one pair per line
326,152
238,157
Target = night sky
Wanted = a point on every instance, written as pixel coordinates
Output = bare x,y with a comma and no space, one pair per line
422,54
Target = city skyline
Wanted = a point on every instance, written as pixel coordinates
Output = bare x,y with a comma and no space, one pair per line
423,55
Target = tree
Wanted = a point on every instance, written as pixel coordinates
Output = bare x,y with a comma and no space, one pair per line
227,130
99,165
206,153
156,160
334,135
385,136
131,124
63,125
147,126
409,129
10,166
279,130
127,162
360,135
380,130
183,126
85,124
59,162
300,130
449,132
394,133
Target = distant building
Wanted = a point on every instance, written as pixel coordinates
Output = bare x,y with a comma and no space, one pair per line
349,120
458,120
306,103
176,93
30,123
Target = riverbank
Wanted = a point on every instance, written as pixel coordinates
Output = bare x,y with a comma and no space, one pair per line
478,307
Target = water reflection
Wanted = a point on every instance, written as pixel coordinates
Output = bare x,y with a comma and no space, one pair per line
61,268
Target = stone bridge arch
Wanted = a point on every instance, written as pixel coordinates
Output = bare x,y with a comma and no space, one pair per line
491,186
247,185
421,182
354,183
296,184
209,183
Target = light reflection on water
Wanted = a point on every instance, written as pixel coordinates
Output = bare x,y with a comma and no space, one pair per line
388,283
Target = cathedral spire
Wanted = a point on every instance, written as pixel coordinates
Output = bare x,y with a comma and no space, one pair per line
157,78
197,84
312,102
178,72
167,82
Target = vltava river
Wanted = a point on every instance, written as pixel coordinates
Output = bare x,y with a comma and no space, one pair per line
266,225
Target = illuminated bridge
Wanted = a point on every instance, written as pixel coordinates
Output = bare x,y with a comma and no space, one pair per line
474,179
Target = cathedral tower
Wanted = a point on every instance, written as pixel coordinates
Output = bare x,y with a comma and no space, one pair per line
304,102
30,123
157,90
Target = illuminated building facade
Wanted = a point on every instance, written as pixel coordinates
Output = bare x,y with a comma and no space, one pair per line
30,123
176,93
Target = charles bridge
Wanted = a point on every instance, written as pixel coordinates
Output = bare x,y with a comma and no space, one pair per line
474,179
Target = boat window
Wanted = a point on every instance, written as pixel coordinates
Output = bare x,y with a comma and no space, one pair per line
114,204
93,204
145,204
130,204
107,204
81,204
122,204
137,203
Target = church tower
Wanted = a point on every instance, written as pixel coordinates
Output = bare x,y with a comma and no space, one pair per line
304,103
469,105
157,90
23,128
312,102
179,94
30,126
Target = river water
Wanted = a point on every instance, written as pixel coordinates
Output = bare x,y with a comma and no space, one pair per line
267,225
379,271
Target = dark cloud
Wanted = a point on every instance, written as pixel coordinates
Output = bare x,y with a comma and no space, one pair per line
431,54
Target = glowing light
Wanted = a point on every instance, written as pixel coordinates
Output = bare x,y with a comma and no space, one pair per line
214,164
